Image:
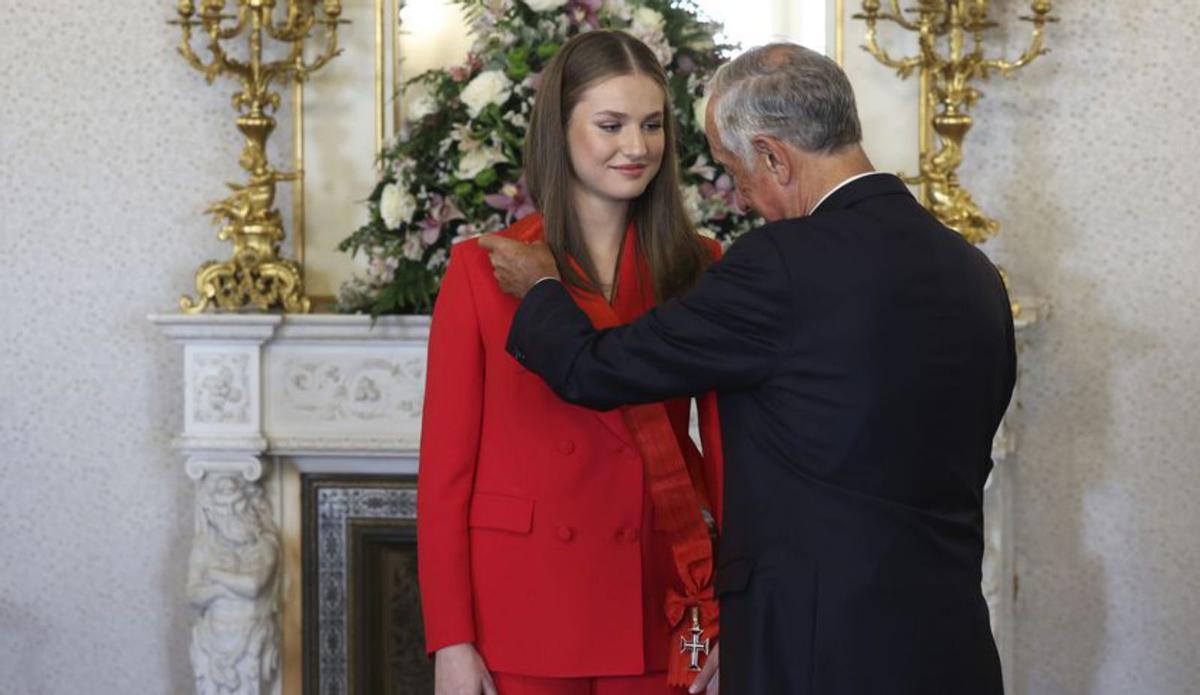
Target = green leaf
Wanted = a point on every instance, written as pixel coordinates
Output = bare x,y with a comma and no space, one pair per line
486,178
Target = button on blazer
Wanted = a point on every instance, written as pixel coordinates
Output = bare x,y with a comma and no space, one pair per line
535,539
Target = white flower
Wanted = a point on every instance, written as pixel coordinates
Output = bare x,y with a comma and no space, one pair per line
493,13
618,8
648,26
505,38
647,20
699,108
396,206
492,224
692,201
412,248
544,5
476,161
702,168
421,101
517,118
488,87
381,270
705,231
437,260
658,45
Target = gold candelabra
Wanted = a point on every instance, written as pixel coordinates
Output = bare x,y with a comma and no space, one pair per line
947,67
255,274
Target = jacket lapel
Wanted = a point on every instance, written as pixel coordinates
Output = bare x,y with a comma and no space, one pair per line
629,302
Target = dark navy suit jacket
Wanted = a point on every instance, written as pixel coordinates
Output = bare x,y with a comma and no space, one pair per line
863,357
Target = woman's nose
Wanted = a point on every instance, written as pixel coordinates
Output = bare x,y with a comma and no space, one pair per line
634,143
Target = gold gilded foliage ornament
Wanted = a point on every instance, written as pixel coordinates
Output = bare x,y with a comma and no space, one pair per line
254,274
950,56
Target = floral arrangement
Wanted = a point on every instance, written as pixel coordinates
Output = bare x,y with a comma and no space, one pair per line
454,169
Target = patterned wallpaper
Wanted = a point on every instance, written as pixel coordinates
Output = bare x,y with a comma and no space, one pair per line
110,147
1090,159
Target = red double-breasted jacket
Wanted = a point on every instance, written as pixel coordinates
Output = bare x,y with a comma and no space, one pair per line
535,533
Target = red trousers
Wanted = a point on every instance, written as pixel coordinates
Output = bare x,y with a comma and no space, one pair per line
649,684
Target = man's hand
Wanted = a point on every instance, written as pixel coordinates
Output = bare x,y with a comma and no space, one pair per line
459,670
708,682
518,265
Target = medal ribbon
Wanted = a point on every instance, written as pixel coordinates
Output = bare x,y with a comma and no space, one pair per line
676,501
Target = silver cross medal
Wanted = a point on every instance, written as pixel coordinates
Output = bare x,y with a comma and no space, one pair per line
695,646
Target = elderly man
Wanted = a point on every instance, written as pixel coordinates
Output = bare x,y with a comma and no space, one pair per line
863,355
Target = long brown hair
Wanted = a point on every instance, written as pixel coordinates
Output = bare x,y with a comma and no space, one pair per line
674,252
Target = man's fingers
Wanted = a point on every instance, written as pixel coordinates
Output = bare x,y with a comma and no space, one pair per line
495,242
489,688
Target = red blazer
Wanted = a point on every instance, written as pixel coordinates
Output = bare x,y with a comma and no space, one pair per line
533,522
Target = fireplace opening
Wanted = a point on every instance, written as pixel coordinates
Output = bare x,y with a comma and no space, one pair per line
363,631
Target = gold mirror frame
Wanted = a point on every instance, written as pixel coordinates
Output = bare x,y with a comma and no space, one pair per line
383,10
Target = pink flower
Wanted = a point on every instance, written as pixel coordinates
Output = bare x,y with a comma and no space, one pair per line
533,81
582,12
723,190
462,73
702,168
441,211
512,200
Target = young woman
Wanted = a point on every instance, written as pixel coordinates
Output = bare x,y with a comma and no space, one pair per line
563,550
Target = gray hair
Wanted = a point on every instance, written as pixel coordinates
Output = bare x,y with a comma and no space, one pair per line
788,92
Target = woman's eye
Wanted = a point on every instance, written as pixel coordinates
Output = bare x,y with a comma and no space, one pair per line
610,127
653,126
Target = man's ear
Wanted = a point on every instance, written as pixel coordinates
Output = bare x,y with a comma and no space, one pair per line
773,157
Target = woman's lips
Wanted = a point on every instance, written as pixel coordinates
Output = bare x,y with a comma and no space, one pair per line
633,171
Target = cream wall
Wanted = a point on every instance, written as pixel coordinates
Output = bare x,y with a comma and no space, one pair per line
1091,160
109,148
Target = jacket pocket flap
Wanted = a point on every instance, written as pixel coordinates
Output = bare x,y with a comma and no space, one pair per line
733,575
501,512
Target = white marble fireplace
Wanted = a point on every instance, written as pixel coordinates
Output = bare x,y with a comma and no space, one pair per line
273,401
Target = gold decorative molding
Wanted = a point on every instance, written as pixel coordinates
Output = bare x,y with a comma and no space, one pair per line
947,66
298,182
839,32
255,274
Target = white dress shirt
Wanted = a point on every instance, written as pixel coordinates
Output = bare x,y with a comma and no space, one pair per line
841,185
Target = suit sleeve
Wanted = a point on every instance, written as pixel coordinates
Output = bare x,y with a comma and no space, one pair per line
450,433
728,333
713,453
712,450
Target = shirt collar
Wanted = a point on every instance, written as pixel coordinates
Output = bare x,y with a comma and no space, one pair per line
841,185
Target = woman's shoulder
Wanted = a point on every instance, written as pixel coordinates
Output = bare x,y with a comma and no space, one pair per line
472,261
528,228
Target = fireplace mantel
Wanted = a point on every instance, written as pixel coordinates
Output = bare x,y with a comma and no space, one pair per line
269,398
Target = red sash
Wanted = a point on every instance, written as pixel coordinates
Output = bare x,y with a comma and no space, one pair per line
676,501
